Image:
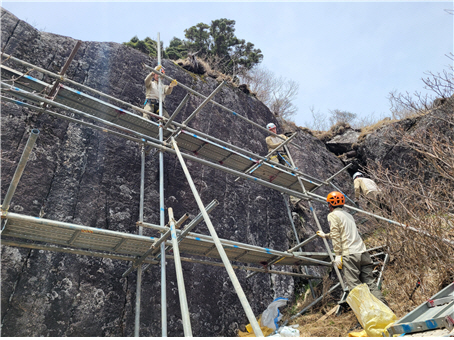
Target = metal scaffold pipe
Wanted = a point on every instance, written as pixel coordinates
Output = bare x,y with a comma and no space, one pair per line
306,241
20,169
448,242
139,270
205,102
341,281
72,251
61,106
72,82
72,120
236,284
180,280
177,111
260,270
312,304
247,246
161,206
221,106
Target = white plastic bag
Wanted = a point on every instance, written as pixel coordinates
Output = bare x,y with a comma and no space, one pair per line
289,332
271,315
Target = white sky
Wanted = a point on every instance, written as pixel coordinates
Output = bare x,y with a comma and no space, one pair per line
344,55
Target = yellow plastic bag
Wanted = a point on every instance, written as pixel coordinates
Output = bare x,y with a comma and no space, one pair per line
361,334
373,315
250,332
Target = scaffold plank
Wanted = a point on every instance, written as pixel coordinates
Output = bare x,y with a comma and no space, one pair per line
94,239
23,81
188,141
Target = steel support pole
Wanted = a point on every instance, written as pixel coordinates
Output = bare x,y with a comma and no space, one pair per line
380,276
297,238
53,91
130,258
180,279
261,270
326,181
221,251
341,281
161,205
20,169
205,102
139,270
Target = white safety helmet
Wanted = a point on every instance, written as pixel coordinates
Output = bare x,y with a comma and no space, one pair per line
356,174
270,126
160,68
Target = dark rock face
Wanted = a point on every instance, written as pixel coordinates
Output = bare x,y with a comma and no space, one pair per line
83,176
387,145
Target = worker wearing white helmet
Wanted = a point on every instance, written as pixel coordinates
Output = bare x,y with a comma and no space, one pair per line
365,186
152,94
273,142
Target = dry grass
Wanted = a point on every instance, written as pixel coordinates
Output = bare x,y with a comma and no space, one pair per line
374,127
399,282
337,129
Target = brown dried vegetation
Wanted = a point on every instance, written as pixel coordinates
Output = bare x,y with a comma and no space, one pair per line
420,196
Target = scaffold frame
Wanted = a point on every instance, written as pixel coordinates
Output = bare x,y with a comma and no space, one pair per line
144,250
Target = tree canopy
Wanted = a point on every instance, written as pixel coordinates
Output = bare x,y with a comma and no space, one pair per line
215,43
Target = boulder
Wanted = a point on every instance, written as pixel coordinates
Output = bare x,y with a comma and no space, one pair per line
343,143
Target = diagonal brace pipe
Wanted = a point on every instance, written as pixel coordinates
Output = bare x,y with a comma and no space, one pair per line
219,247
201,106
20,169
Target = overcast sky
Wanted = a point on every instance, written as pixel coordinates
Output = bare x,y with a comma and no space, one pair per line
344,55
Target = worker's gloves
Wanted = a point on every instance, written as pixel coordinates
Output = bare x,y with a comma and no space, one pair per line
173,83
321,234
338,261
288,134
158,68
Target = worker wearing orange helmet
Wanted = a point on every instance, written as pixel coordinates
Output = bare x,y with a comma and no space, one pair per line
350,250
152,94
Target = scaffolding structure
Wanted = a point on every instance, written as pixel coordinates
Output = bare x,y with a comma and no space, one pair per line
143,251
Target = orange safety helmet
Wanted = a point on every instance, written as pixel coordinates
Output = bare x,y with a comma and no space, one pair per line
336,198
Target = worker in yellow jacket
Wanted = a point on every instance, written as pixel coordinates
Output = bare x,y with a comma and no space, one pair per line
350,250
365,186
152,94
371,192
273,142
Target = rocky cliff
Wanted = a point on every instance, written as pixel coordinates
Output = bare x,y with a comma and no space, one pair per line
79,175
